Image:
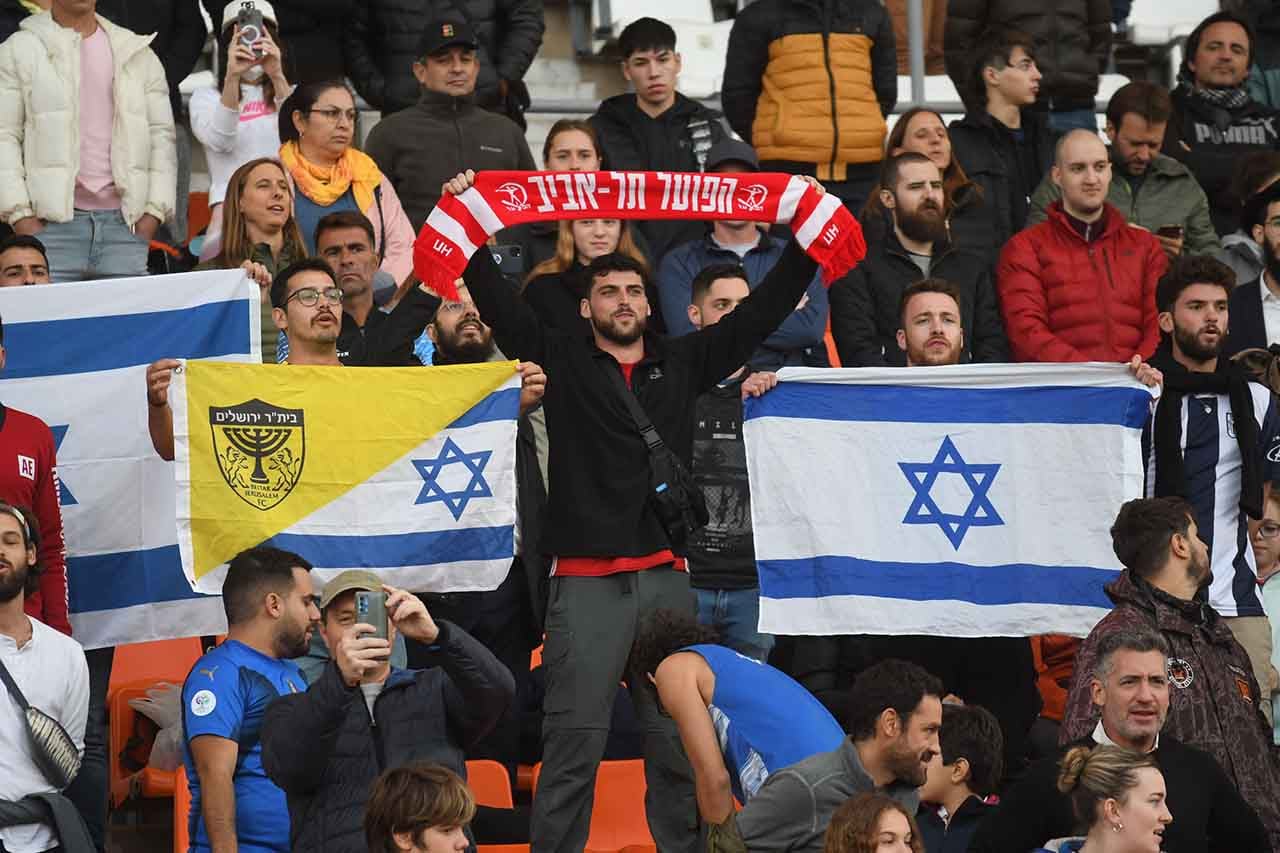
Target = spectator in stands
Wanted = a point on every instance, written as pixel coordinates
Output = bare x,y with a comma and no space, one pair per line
85,104
1214,121
383,41
271,611
655,127
778,57
799,340
23,261
179,40
921,130
1073,42
1152,190
1254,305
235,119
421,808
1119,796
608,574
872,823
1254,172
571,146
966,769
554,288
317,127
1129,686
49,669
259,232
895,712
421,147
739,719
1003,146
1200,388
1081,286
1264,535
1216,703
325,747
312,29
865,316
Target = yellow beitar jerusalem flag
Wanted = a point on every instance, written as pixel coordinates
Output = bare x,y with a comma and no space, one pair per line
409,472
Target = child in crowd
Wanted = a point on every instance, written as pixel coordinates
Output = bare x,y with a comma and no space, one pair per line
967,770
419,808
872,823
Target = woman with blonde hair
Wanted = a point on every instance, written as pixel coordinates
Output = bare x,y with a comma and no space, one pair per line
872,823
1118,798
554,289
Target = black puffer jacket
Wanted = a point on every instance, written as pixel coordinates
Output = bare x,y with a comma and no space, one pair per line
1072,43
381,44
986,151
179,29
322,750
311,32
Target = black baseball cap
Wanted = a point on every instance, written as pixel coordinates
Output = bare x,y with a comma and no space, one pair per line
440,34
732,151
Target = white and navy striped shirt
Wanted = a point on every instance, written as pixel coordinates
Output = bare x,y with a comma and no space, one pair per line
1212,468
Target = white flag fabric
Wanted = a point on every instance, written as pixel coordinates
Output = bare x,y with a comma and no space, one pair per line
76,358
967,500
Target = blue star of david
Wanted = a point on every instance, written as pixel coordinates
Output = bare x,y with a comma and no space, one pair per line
924,510
451,454
65,498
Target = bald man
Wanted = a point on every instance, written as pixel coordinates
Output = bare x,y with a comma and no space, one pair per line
1081,285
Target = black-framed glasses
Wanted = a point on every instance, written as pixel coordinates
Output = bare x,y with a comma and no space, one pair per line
332,114
1269,530
308,296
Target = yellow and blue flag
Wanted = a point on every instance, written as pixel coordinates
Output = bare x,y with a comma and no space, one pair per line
407,472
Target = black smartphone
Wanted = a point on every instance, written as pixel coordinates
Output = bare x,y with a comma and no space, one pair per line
249,20
371,609
1173,232
510,259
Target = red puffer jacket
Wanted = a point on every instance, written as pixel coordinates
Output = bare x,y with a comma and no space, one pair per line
1065,299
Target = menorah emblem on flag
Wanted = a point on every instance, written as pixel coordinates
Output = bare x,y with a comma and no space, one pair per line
260,450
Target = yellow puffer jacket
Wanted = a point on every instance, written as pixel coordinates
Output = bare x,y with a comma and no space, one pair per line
808,115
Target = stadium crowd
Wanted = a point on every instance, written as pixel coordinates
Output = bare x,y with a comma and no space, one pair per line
1017,233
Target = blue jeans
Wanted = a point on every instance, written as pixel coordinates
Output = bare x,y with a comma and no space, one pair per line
1060,121
94,244
735,613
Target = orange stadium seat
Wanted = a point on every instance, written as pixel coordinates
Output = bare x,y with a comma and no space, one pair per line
618,819
151,663
490,784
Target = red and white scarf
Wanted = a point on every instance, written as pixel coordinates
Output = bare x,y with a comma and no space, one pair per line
461,224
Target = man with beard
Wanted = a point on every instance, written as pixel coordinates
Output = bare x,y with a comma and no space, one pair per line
615,555
930,330
1130,688
47,666
864,304
1215,698
1255,303
1081,285
895,712
271,613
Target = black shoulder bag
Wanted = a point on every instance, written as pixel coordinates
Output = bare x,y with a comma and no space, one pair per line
53,749
676,499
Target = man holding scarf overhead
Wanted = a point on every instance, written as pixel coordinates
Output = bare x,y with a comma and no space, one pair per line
618,410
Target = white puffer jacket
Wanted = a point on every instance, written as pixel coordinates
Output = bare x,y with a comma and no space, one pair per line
40,123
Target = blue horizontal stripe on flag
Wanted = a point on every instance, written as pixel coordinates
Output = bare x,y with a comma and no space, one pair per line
88,344
126,579
1128,407
1017,583
501,405
390,551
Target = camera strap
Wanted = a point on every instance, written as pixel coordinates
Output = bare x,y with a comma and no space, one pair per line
647,430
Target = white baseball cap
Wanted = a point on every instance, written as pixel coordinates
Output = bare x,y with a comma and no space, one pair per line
232,9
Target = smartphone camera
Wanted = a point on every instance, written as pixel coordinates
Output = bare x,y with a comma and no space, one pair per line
249,20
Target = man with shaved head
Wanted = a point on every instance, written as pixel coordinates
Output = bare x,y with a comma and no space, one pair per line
1081,285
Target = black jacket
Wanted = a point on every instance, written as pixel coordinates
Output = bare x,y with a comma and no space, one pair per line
864,304
598,503
1208,813
311,31
1211,140
1247,329
322,749
179,29
11,14
421,148
633,140
1072,43
387,339
954,835
968,225
380,44
986,151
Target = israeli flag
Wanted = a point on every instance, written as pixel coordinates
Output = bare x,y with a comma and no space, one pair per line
76,358
966,501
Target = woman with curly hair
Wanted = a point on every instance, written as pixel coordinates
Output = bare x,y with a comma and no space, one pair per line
873,823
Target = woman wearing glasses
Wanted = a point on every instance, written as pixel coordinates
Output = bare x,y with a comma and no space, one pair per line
1265,537
317,129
